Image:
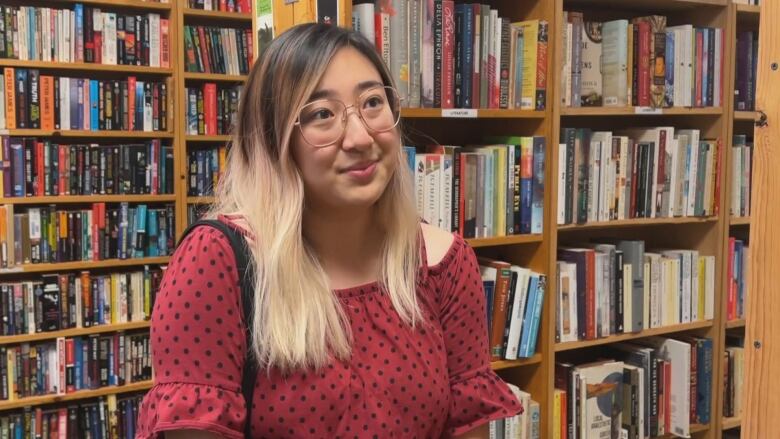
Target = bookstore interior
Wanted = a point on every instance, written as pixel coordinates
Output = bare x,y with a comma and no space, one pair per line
595,154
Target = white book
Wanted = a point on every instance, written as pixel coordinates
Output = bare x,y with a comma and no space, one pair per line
561,216
709,288
419,183
399,47
622,178
567,301
523,418
154,40
694,285
520,298
718,67
683,151
691,168
646,296
683,39
673,177
432,188
445,198
79,305
363,20
567,71
65,103
109,38
678,353
736,180
628,298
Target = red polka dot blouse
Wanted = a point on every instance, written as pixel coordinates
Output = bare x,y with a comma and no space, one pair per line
431,382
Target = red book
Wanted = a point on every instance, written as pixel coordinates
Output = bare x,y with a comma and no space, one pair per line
39,170
448,57
165,48
210,108
47,102
131,85
97,38
699,67
590,295
500,299
62,188
541,67
475,96
70,359
250,47
155,106
643,95
95,231
204,51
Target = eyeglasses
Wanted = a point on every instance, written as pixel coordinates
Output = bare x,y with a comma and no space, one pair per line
322,122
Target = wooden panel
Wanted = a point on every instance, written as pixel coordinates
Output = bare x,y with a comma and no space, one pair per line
762,355
283,16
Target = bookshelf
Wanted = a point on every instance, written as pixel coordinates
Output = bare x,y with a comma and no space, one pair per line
37,271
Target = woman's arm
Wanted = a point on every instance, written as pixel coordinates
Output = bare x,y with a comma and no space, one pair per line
196,434
481,432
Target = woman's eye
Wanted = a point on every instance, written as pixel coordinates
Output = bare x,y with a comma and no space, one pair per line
374,102
322,114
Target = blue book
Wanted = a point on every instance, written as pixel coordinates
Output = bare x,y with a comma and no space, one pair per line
467,60
537,186
705,75
17,166
77,364
22,112
541,286
669,58
525,333
139,105
153,234
489,286
704,379
140,230
526,185
410,153
94,109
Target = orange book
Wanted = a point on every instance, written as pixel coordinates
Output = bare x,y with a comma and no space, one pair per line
165,52
131,85
10,98
47,102
86,300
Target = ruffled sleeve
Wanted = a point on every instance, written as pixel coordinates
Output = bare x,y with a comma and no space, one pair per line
478,394
198,343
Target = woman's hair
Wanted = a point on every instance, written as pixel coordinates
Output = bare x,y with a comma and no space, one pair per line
298,321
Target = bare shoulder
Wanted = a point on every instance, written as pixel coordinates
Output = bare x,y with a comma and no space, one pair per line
437,242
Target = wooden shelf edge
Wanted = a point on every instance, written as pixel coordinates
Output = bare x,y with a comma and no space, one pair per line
745,115
480,113
729,423
748,9
207,138
87,67
507,364
73,332
640,111
72,199
567,346
223,15
736,323
216,77
638,222
81,394
85,265
200,200
739,220
88,134
135,4
505,240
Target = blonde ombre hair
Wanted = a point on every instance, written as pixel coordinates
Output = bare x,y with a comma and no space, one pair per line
298,322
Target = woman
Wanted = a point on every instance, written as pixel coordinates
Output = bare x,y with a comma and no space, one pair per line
366,323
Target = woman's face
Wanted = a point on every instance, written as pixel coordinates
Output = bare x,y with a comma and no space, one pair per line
355,170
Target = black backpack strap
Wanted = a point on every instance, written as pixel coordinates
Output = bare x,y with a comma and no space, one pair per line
245,269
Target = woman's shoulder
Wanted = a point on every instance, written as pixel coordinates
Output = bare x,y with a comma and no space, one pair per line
440,245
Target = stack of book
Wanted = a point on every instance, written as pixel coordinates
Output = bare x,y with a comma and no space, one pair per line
514,297
32,235
67,365
217,50
84,35
34,167
641,62
77,300
618,287
35,101
444,54
650,388
637,173
482,191
524,425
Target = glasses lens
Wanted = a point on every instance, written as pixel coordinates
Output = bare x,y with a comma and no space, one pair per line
321,122
380,108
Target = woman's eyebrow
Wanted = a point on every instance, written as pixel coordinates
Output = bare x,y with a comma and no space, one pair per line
328,93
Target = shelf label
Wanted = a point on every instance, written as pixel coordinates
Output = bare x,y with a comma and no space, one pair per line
648,110
459,112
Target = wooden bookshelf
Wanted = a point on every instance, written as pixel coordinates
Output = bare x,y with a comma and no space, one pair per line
89,199
214,77
482,113
505,240
638,222
508,364
737,323
745,115
122,4
85,265
739,220
200,200
217,15
664,330
85,67
752,10
640,111
74,332
730,423
204,138
88,134
75,396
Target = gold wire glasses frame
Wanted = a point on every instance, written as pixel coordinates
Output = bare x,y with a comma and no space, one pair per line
378,108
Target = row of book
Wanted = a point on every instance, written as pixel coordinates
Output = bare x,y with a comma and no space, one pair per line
637,173
746,67
32,235
67,365
77,300
84,35
217,50
242,6
741,172
649,388
31,101
514,296
525,425
444,54
641,62
733,376
618,287
35,167
211,109
739,263
108,417
481,191
206,166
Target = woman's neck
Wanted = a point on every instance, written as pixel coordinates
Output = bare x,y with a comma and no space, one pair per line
347,244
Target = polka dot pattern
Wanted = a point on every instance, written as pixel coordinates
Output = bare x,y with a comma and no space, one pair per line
429,382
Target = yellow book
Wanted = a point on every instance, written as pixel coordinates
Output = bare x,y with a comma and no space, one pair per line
702,286
499,190
530,49
11,373
557,414
113,425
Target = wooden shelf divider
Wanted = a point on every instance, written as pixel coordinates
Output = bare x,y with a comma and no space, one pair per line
508,364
